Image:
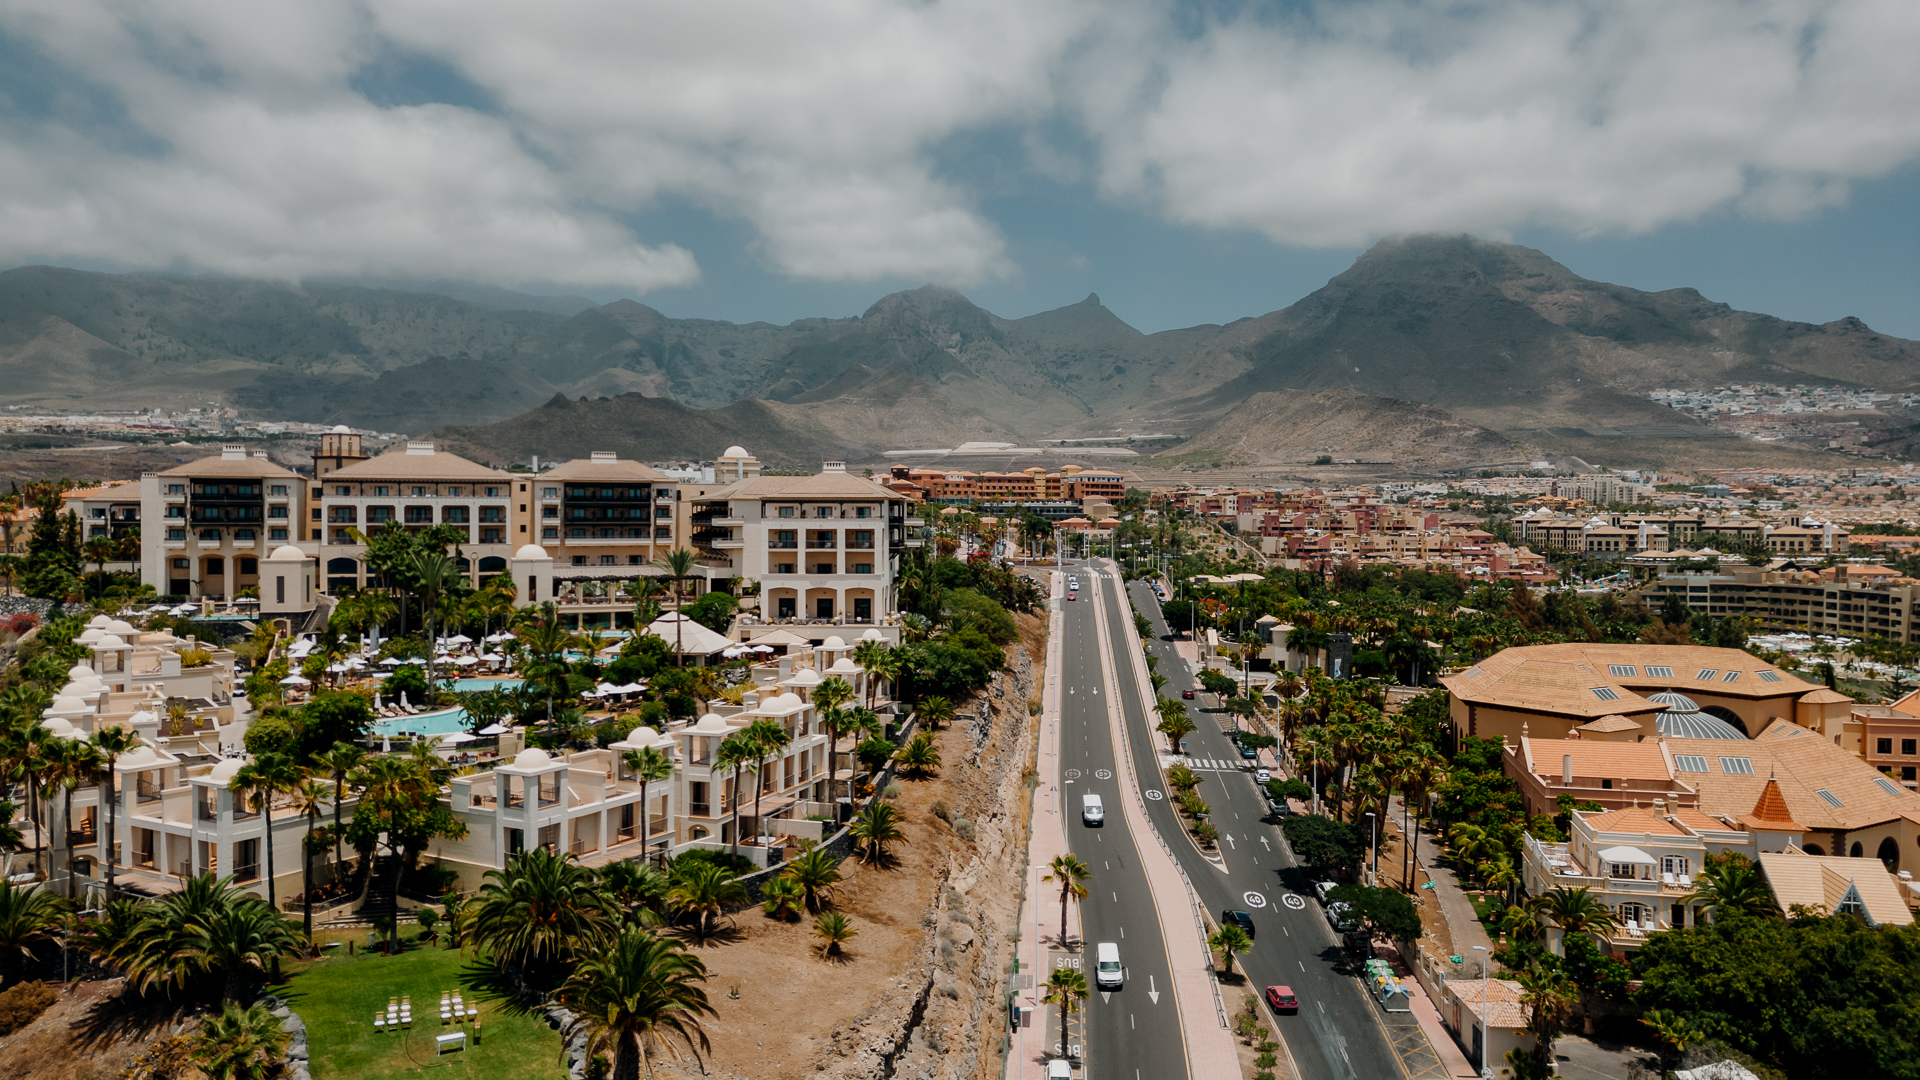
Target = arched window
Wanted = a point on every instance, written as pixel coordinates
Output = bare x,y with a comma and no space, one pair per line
1813,849
1889,853
493,564
342,566
1856,851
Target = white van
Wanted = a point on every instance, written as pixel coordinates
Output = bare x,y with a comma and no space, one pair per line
1091,811
1106,965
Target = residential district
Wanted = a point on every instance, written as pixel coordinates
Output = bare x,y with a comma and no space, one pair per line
1644,720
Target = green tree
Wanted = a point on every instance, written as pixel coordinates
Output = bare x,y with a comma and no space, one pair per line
637,993
1325,845
1387,913
258,783
1229,941
834,930
1072,876
209,932
649,766
310,796
1067,988
783,898
541,913
920,756
240,1044
1577,911
816,872
678,565
704,890
341,761
1731,885
110,743
29,916
735,753
874,828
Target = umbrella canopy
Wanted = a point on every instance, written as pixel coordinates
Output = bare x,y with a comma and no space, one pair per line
1626,856
459,639
495,729
467,661
459,737
294,680
392,661
495,639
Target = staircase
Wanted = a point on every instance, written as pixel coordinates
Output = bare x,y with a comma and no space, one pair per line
379,903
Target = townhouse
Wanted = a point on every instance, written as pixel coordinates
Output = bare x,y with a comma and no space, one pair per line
417,486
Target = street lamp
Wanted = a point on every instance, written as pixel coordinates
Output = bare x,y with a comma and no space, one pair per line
1373,826
1483,1009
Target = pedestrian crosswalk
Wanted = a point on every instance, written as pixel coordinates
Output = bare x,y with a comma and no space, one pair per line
1216,764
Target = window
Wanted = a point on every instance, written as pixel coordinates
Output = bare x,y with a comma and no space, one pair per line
454,515
1830,798
181,564
1621,671
1659,672
380,491
1890,787
549,512
606,560
419,492
549,534
1883,746
579,560
663,534
277,512
1731,676
824,512
277,489
176,489
550,493
453,491
342,490
176,534
863,568
1689,763
863,511
785,512
316,513
1737,766
493,493
210,535
1605,693
1768,676
1707,674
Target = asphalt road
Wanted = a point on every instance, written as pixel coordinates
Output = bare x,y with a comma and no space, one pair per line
1339,1033
1129,1034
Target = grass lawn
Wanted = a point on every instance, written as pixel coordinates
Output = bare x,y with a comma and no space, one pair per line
338,994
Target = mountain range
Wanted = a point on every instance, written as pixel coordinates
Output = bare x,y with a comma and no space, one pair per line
1501,348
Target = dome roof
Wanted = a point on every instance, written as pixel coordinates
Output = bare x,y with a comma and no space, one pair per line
224,772
287,553
136,757
531,551
872,635
1683,719
342,429
844,666
531,758
711,724
81,672
99,622
736,452
57,726
144,716
121,627
642,736
110,641
834,642
804,677
90,635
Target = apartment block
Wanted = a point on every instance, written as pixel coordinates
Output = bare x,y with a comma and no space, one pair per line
206,524
419,487
1851,601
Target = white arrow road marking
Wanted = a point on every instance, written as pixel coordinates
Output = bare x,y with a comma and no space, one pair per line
1105,996
1264,844
1230,842
1154,994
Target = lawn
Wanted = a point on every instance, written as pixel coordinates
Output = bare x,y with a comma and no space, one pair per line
338,995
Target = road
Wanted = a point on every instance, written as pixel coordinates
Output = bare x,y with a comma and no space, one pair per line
1132,1033
1339,1033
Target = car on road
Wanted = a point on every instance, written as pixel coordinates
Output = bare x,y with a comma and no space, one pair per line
1236,917
1261,776
1107,973
1073,596
1187,694
1278,807
1282,1000
1340,917
1249,753
1059,1069
1322,888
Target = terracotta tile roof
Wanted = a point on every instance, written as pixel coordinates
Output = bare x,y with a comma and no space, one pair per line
1909,704
1607,760
1770,812
1826,880
1609,724
1693,819
408,464
820,486
1490,682
1824,696
1802,764
638,472
216,468
1633,819
1501,1008
1547,686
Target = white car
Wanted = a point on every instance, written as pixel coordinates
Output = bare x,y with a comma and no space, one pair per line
1261,776
1337,917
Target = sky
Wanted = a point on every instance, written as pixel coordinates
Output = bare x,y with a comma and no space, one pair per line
779,159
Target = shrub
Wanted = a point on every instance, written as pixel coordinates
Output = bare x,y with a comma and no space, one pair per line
963,826
939,809
22,1005
23,622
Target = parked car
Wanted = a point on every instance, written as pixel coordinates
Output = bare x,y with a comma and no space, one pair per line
1359,943
1187,694
1282,1000
1235,917
1261,776
1339,916
1073,596
1278,807
1322,888
1249,753
1059,1069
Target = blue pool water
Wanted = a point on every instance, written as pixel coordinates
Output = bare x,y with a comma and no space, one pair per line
445,722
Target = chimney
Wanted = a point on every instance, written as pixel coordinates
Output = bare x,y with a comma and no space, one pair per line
261,454
419,449
1566,770
536,463
233,452
833,466
604,457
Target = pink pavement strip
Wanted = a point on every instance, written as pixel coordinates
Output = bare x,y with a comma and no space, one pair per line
1028,1056
1210,1048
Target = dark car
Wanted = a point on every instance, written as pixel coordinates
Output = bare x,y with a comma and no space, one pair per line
1282,1000
1249,753
1187,694
1241,919
1278,807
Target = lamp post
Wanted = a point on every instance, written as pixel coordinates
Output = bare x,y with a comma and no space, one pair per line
1373,827
1483,1009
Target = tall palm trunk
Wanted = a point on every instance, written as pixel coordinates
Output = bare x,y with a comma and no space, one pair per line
112,840
266,841
306,877
66,832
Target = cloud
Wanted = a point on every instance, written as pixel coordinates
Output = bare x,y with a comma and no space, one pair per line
1345,123
279,137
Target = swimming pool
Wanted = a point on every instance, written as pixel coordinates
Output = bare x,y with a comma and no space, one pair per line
446,721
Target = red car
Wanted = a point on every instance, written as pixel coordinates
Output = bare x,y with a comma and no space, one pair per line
1187,694
1282,999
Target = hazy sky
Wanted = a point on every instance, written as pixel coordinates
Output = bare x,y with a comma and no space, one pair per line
781,158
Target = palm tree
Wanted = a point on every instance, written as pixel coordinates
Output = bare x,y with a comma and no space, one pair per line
210,930
876,827
1577,911
816,872
936,711
433,574
704,889
110,743
269,775
647,765
240,1044
832,693
308,797
1176,727
542,911
638,992
678,565
1229,941
1521,922
1734,887
784,897
343,761
1072,875
920,756
637,888
769,738
1067,988
834,930
73,763
28,916
871,656
735,752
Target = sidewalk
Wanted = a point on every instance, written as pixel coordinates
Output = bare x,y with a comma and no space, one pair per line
1027,1056
1211,1051
1465,930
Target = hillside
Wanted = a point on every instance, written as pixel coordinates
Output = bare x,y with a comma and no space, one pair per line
1274,428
